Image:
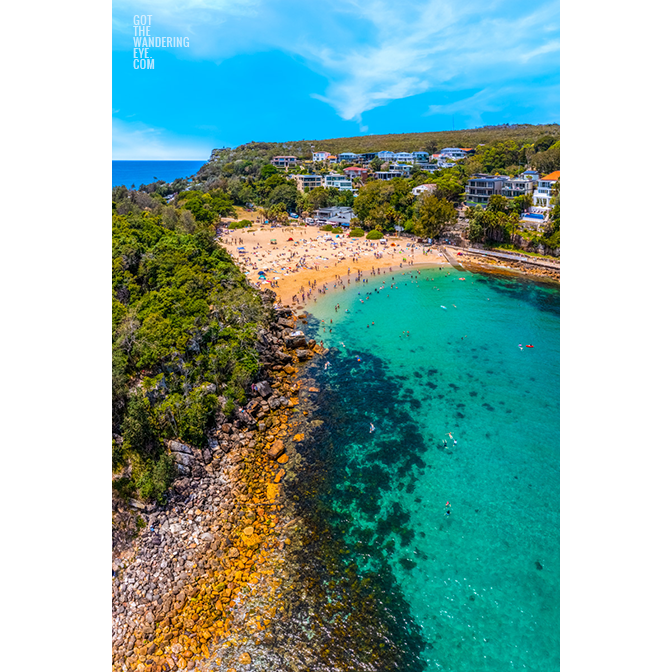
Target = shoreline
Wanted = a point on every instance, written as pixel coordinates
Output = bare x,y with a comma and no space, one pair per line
305,256
203,585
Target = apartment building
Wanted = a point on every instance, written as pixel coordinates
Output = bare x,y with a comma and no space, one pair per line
306,183
341,182
320,156
480,187
517,186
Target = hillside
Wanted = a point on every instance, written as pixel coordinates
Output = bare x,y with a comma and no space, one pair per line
396,142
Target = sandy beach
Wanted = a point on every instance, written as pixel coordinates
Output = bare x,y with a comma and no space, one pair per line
304,255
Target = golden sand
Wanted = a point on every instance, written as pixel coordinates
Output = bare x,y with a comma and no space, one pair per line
304,254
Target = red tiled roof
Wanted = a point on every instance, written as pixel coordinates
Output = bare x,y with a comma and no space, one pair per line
552,177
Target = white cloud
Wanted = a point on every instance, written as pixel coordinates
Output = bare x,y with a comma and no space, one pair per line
135,141
493,99
374,51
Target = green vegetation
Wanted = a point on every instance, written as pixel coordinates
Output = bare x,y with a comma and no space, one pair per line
374,235
184,323
385,204
241,160
356,233
243,223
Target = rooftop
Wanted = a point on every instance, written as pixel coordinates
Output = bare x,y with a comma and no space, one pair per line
552,177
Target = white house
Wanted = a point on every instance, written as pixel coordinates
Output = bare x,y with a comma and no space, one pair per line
386,156
407,157
423,189
542,196
454,153
320,156
342,213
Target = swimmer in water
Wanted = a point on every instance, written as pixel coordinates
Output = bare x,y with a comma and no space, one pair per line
373,429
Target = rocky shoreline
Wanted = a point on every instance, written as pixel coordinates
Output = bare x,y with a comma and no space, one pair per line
476,263
202,584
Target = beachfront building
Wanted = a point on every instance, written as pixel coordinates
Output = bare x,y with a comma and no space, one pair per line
356,171
542,196
367,157
423,189
320,156
386,156
517,186
530,175
420,157
306,183
341,182
332,159
386,174
341,214
284,161
480,187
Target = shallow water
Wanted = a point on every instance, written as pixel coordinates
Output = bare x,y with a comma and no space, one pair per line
479,589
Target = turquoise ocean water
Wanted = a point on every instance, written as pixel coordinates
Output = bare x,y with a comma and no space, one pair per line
479,589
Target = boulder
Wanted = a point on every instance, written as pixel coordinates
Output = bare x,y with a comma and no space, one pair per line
296,340
264,389
303,355
177,447
184,459
276,449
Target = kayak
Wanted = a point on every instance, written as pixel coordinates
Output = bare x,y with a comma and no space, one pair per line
529,346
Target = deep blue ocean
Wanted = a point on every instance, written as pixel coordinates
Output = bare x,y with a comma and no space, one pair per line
464,412
130,173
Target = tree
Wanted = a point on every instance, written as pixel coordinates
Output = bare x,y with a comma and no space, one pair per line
449,187
267,171
434,216
548,161
376,164
432,147
498,203
384,203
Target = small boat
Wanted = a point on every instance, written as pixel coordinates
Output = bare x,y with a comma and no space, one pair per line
529,346
444,307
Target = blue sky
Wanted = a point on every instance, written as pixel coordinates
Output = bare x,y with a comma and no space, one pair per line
290,70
